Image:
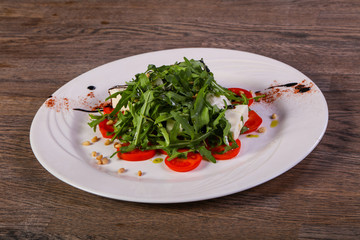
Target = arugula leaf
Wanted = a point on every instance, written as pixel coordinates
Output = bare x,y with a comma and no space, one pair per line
148,95
184,123
165,134
207,154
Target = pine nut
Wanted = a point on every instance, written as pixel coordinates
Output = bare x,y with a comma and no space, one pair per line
108,142
86,143
110,122
139,173
105,161
117,145
274,116
99,157
121,170
261,130
95,139
94,154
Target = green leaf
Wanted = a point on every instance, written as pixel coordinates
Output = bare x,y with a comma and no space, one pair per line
165,134
207,154
226,133
174,133
176,97
144,81
243,129
184,123
148,95
163,117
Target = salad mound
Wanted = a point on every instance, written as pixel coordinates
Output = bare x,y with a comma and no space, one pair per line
177,109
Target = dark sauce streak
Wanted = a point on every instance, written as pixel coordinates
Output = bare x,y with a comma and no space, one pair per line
302,88
206,67
91,87
50,96
284,85
84,110
305,89
232,106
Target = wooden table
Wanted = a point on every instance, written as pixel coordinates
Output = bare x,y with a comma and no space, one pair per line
45,44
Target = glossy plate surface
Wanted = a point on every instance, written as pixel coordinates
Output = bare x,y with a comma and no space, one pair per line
57,131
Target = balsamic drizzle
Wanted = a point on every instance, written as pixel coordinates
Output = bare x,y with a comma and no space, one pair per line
302,88
84,110
284,85
206,67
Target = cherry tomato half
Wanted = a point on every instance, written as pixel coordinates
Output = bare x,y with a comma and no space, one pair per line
238,92
184,164
107,109
105,129
227,155
136,155
253,123
161,151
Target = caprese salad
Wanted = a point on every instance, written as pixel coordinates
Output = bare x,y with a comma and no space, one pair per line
178,110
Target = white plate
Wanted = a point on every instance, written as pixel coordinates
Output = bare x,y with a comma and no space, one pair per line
57,131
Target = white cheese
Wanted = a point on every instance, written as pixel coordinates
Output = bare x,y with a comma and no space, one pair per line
114,101
218,101
237,117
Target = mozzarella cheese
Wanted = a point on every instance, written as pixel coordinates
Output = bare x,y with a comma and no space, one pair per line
218,101
114,101
237,117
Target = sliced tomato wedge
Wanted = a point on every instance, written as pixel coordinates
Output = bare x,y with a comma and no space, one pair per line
253,123
239,91
106,129
136,154
227,155
184,164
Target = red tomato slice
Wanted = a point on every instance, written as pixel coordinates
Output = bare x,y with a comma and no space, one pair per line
136,155
227,155
184,164
104,129
238,92
253,123
107,109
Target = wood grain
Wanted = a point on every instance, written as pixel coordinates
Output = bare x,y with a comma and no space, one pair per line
45,44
